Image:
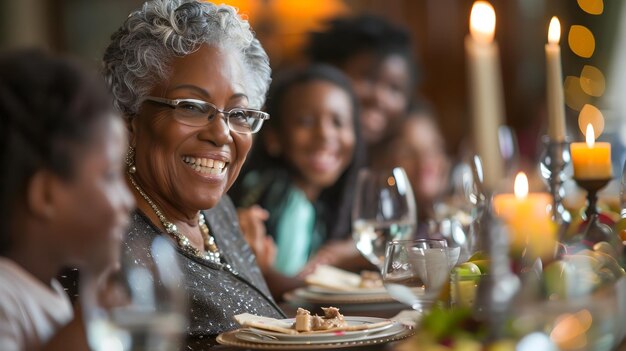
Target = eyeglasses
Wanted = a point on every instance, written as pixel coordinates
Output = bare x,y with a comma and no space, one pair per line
198,113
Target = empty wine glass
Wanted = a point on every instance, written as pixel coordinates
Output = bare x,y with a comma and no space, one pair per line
384,210
138,306
414,271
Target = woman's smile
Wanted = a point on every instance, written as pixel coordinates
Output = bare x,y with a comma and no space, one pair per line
325,161
206,165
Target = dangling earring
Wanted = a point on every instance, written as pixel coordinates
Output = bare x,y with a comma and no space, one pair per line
130,160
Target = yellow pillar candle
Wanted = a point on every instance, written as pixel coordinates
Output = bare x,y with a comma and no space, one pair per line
591,160
528,218
554,86
485,90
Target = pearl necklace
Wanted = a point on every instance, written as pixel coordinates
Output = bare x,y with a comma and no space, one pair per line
213,252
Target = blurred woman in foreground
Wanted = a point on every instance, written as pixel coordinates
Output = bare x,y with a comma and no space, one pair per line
64,201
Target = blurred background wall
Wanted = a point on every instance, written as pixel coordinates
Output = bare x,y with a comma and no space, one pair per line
593,43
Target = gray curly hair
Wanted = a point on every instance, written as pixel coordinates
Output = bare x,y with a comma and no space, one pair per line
142,49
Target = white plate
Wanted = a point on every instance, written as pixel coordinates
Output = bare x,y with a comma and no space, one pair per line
266,337
354,291
307,296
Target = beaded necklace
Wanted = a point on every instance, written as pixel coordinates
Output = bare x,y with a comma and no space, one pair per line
212,253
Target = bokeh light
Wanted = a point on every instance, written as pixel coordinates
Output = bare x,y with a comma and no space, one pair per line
592,81
591,115
592,7
570,330
575,97
581,41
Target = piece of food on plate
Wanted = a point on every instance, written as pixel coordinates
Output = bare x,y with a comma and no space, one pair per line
332,319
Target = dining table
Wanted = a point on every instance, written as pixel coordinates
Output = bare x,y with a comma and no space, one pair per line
381,310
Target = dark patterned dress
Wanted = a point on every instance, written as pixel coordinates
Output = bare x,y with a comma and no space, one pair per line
215,293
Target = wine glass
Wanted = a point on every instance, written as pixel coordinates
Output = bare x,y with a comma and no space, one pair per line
414,271
139,306
384,210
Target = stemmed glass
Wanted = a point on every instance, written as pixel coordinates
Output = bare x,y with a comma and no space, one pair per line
384,210
139,306
414,271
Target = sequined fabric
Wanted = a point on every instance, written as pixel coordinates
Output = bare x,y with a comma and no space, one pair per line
215,294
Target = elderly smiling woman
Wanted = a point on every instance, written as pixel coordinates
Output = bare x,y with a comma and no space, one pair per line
189,77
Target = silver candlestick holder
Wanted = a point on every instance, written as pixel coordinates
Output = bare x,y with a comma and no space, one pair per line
496,289
554,169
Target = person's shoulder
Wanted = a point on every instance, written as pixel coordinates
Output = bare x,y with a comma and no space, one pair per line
139,234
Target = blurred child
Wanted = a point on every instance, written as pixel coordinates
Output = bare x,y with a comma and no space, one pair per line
302,172
419,148
376,55
64,201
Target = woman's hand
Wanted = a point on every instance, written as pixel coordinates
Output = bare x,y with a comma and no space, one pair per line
252,223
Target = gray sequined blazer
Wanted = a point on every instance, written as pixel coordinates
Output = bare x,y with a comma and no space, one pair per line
215,295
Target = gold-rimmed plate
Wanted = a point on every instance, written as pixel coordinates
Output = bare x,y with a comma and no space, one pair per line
242,338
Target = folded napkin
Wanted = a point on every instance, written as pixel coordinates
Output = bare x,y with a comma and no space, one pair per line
265,323
333,278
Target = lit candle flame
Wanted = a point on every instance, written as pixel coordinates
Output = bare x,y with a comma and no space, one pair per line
482,22
554,31
521,185
590,135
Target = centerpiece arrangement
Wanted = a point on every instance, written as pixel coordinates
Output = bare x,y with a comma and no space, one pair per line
543,277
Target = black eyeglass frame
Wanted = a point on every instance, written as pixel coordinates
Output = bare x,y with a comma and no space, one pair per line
256,114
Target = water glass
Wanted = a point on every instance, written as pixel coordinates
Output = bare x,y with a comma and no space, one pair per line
414,271
138,306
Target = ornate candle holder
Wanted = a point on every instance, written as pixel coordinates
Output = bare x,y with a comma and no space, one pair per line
498,288
595,231
592,186
553,165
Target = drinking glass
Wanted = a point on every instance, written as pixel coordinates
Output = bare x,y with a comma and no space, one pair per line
139,306
414,271
384,210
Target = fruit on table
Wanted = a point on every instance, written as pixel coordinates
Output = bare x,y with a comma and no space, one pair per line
480,259
465,279
468,268
483,265
478,255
